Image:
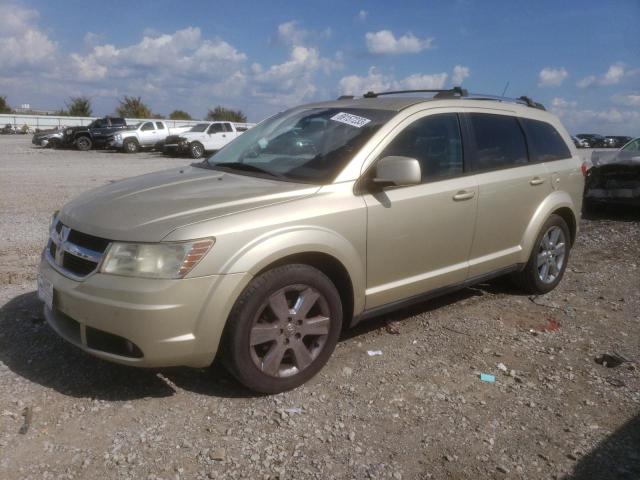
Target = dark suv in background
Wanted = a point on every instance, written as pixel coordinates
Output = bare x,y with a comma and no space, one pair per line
593,140
94,135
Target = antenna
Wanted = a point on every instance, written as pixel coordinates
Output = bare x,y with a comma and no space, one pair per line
505,89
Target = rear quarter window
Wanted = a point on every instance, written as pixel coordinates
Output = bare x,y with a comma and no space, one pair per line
499,141
545,142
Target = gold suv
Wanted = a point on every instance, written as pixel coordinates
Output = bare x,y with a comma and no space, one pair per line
317,218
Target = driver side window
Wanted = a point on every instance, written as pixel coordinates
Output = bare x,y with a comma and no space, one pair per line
633,146
215,128
147,126
435,142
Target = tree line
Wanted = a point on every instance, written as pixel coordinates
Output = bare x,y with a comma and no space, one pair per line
134,107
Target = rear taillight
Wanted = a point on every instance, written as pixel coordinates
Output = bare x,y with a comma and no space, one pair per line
585,168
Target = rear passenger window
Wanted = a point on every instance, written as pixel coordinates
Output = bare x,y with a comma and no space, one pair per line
435,142
545,143
499,140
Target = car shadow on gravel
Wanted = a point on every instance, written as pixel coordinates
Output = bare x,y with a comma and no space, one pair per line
616,457
619,213
32,350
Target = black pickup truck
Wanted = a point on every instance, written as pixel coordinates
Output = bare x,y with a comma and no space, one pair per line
94,135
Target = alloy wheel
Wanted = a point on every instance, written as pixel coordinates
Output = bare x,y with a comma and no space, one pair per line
289,331
551,255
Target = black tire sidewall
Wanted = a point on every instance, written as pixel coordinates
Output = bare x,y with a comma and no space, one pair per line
192,151
86,141
531,269
237,356
127,144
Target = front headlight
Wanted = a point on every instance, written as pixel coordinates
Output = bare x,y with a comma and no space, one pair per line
118,137
155,260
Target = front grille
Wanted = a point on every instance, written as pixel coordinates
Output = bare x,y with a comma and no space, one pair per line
73,253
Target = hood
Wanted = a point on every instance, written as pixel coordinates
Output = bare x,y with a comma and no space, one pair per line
149,207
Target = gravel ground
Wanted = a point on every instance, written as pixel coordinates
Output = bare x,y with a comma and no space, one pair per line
418,410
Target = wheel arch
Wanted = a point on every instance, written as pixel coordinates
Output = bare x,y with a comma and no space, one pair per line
559,203
332,268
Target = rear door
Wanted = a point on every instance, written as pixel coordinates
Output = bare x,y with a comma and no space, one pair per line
510,189
419,237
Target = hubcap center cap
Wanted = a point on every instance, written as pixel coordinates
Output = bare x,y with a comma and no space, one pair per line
289,330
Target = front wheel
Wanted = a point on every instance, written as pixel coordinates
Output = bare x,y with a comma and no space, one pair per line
196,150
83,144
548,260
283,328
130,146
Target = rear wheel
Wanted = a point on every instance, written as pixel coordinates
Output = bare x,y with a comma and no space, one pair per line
196,150
83,143
130,146
549,257
283,328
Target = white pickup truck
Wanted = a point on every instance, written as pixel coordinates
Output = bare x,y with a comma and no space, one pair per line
149,134
204,137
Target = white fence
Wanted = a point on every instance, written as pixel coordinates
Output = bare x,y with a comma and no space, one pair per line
44,122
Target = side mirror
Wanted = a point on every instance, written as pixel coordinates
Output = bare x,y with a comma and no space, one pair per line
397,171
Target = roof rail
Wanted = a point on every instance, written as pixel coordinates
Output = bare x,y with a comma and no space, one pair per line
450,93
523,100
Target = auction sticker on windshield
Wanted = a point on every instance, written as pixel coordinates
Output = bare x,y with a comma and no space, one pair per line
350,119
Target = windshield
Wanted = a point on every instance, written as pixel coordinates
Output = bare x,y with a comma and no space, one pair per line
633,146
307,145
200,127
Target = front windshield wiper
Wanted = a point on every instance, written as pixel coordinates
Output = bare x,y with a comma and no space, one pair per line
247,168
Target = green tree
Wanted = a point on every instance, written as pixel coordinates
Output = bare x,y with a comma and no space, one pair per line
79,107
133,107
4,106
179,115
221,113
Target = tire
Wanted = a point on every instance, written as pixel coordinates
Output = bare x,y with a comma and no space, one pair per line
83,143
269,348
535,278
130,146
196,150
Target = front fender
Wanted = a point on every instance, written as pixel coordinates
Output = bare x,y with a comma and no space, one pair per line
554,201
275,245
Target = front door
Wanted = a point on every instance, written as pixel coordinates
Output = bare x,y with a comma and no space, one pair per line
419,237
148,134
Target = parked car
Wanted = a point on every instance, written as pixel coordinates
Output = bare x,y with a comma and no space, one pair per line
204,138
8,129
171,143
150,134
51,138
592,140
320,217
94,135
616,141
615,179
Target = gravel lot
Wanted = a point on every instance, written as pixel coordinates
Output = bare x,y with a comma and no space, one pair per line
418,410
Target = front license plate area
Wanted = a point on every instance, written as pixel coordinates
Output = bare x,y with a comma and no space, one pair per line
45,291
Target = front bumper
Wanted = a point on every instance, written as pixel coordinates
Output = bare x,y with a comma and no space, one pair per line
143,322
113,143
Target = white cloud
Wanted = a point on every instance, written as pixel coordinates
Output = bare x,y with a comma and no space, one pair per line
384,42
290,34
627,99
612,76
552,77
459,74
561,103
378,81
362,15
22,44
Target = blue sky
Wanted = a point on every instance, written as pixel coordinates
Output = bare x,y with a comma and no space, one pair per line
580,58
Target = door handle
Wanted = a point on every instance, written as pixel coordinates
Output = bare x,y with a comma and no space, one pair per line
536,181
463,195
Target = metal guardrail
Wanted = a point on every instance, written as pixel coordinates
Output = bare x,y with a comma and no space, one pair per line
44,122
